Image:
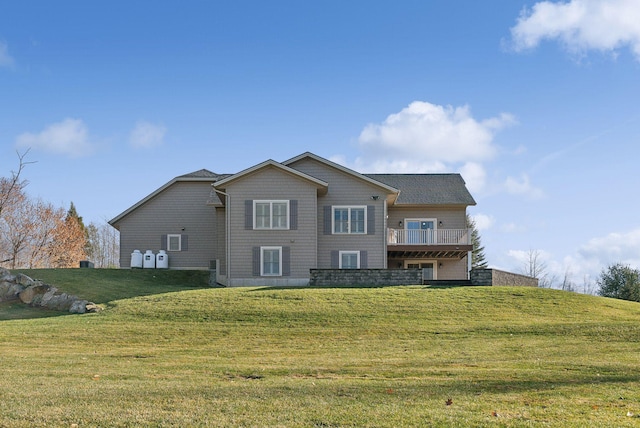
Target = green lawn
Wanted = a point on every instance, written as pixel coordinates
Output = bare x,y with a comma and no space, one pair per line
322,357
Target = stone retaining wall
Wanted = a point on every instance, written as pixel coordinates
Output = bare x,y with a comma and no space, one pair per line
371,277
499,278
387,277
38,294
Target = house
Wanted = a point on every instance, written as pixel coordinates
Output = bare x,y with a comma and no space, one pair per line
272,223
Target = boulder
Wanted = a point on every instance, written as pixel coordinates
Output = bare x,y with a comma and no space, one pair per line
9,290
23,280
29,294
92,307
36,293
79,307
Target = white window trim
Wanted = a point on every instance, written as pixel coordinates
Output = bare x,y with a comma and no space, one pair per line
270,202
262,250
341,253
434,220
348,207
175,235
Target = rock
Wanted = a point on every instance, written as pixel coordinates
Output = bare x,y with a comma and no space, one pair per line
29,294
9,290
5,275
36,293
92,307
78,307
24,280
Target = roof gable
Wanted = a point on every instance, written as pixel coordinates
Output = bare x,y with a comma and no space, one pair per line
321,185
345,170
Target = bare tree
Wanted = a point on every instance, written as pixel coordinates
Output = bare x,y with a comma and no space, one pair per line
103,245
16,226
588,287
10,186
11,196
567,282
536,267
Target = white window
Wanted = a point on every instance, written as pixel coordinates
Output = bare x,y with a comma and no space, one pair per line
271,214
349,259
349,220
270,261
174,242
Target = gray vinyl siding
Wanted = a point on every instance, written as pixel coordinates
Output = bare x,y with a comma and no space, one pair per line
179,209
221,244
453,217
272,184
347,190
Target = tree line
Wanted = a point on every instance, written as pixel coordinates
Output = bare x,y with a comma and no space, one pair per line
36,234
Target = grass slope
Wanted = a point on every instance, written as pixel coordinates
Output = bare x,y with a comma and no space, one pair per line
342,357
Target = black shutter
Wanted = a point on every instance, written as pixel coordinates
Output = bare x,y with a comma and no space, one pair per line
364,260
248,214
163,242
293,214
286,261
371,220
327,219
184,243
256,261
335,259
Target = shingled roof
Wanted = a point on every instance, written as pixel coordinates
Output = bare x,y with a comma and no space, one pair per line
202,173
427,189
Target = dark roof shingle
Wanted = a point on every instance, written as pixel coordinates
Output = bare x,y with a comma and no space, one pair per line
427,189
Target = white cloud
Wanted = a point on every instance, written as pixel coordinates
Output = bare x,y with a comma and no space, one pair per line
614,248
433,133
474,176
5,59
425,137
483,221
580,25
146,135
522,186
69,137
513,228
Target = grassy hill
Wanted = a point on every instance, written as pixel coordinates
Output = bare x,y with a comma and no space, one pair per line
321,357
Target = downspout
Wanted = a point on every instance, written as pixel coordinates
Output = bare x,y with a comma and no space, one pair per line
385,233
227,214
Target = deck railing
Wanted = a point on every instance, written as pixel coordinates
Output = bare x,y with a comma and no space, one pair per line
428,237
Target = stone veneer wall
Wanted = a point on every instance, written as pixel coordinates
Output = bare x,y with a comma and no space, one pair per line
371,277
498,278
386,277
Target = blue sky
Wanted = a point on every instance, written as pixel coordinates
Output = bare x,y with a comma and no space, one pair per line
535,103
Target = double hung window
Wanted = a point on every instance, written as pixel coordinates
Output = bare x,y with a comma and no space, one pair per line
271,261
271,214
349,220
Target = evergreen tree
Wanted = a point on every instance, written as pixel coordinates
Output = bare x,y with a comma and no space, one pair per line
73,213
478,259
620,282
